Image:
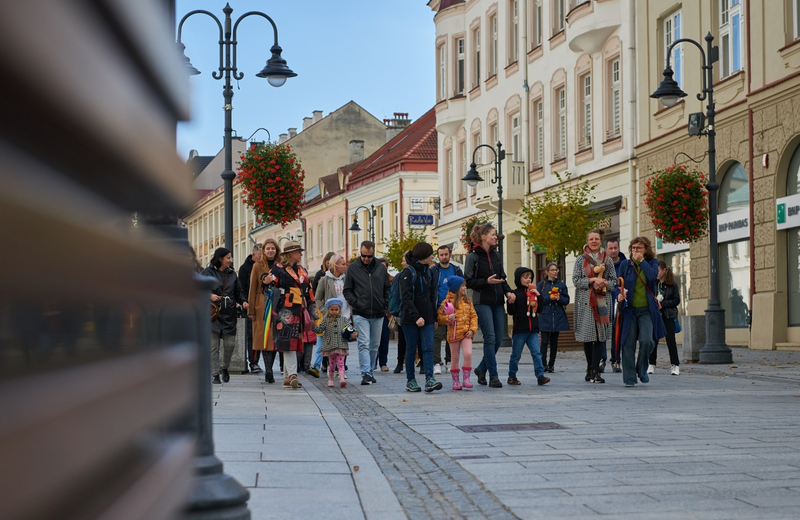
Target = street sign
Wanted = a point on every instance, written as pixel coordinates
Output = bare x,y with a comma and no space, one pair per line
419,220
417,204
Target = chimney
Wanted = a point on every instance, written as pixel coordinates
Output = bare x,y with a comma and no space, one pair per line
397,124
356,150
317,115
283,138
307,121
292,132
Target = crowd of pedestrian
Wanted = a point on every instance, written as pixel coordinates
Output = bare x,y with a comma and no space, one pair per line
620,302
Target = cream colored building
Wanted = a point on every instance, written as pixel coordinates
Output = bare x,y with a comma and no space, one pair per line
553,81
757,95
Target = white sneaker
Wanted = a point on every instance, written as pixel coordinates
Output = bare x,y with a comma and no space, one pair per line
651,369
437,369
676,370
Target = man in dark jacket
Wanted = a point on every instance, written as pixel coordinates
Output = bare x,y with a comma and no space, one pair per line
366,289
244,280
617,256
526,326
444,270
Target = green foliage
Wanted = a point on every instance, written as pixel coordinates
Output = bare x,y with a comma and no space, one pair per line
557,222
398,243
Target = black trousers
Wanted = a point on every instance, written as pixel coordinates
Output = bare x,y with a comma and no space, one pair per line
252,355
593,350
549,339
672,345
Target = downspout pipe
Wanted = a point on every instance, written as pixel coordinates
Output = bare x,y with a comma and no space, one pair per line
526,94
633,138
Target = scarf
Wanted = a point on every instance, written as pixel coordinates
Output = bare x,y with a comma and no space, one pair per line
598,305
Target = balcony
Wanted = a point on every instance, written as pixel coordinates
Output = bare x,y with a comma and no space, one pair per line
450,115
515,186
592,23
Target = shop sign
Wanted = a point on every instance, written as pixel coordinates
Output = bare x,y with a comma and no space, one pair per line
787,212
419,221
666,247
734,225
417,203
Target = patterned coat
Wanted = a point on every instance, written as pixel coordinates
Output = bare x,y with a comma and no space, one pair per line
586,329
331,331
291,292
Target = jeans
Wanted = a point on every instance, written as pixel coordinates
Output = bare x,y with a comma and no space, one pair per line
493,323
423,335
672,346
549,339
603,352
317,355
640,327
383,349
369,338
518,341
401,347
228,344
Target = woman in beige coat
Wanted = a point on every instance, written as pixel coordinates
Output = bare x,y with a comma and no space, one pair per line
260,280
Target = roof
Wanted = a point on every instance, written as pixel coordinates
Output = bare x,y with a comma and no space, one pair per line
444,4
198,163
331,183
418,142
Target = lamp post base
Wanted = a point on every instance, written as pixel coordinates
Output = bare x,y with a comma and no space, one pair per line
715,351
215,495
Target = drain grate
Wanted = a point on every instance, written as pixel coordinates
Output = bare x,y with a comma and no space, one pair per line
469,457
519,427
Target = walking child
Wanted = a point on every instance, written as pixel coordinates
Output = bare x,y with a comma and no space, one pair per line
458,313
333,328
526,327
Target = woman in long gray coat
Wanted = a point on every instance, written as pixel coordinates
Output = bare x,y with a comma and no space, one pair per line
594,278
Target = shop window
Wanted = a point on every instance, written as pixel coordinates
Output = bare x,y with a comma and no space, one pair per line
734,257
793,245
734,191
679,262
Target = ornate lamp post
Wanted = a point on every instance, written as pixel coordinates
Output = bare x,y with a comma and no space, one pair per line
473,178
371,224
669,93
275,71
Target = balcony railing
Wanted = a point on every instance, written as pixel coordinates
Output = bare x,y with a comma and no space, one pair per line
515,181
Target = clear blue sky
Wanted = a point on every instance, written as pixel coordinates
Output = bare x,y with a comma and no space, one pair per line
378,53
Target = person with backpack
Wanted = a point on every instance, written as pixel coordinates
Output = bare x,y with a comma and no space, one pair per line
418,289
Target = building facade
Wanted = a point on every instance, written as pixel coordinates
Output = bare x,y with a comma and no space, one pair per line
757,95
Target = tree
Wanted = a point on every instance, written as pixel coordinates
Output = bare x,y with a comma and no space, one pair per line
399,243
557,222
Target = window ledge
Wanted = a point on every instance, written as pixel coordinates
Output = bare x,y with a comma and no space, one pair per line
584,155
512,68
535,53
491,81
558,38
475,92
729,78
612,145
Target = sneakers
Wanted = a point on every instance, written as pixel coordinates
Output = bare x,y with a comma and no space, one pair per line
254,368
216,380
294,382
602,367
412,386
596,378
373,380
225,375
644,379
513,381
651,369
313,372
366,380
494,382
542,380
615,367
398,369
437,369
588,375
481,375
549,369
432,384
384,368
675,371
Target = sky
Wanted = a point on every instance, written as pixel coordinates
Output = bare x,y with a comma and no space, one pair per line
378,53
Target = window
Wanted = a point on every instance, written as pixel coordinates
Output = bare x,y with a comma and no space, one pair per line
382,227
341,233
442,74
396,216
538,134
320,237
560,151
537,24
476,141
447,179
493,46
796,18
614,101
460,70
513,33
585,140
734,257
516,145
476,64
462,169
310,242
730,36
793,249
493,131
672,32
558,16
331,247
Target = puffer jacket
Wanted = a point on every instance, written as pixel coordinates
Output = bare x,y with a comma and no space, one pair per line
672,298
466,318
552,315
519,309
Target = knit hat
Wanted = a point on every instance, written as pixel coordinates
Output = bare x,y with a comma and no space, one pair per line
333,301
454,283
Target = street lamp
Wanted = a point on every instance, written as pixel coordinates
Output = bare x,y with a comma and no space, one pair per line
276,72
668,93
355,228
473,178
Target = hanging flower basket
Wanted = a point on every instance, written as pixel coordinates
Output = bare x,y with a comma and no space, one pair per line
466,229
677,201
272,182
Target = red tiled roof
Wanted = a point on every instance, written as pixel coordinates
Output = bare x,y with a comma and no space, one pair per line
418,142
331,184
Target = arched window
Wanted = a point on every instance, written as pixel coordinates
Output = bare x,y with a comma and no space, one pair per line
793,244
734,253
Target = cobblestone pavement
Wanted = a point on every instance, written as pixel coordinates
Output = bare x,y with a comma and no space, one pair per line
715,442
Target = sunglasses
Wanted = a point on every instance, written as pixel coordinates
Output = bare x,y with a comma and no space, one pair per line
367,256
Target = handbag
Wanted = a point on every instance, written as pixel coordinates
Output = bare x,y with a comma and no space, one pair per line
677,325
393,325
216,307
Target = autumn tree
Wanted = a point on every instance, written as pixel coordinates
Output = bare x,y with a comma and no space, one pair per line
398,243
557,221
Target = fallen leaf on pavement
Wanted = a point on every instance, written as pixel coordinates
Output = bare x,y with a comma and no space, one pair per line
355,468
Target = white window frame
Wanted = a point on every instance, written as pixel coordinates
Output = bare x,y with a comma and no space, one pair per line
331,247
310,241
586,112
382,227
559,16
476,39
561,100
615,98
796,18
448,178
442,73
730,37
538,32
460,72
493,50
516,136
396,216
342,231
538,133
513,48
673,29
461,167
321,238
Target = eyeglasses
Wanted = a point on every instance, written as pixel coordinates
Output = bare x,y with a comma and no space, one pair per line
366,256
637,248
